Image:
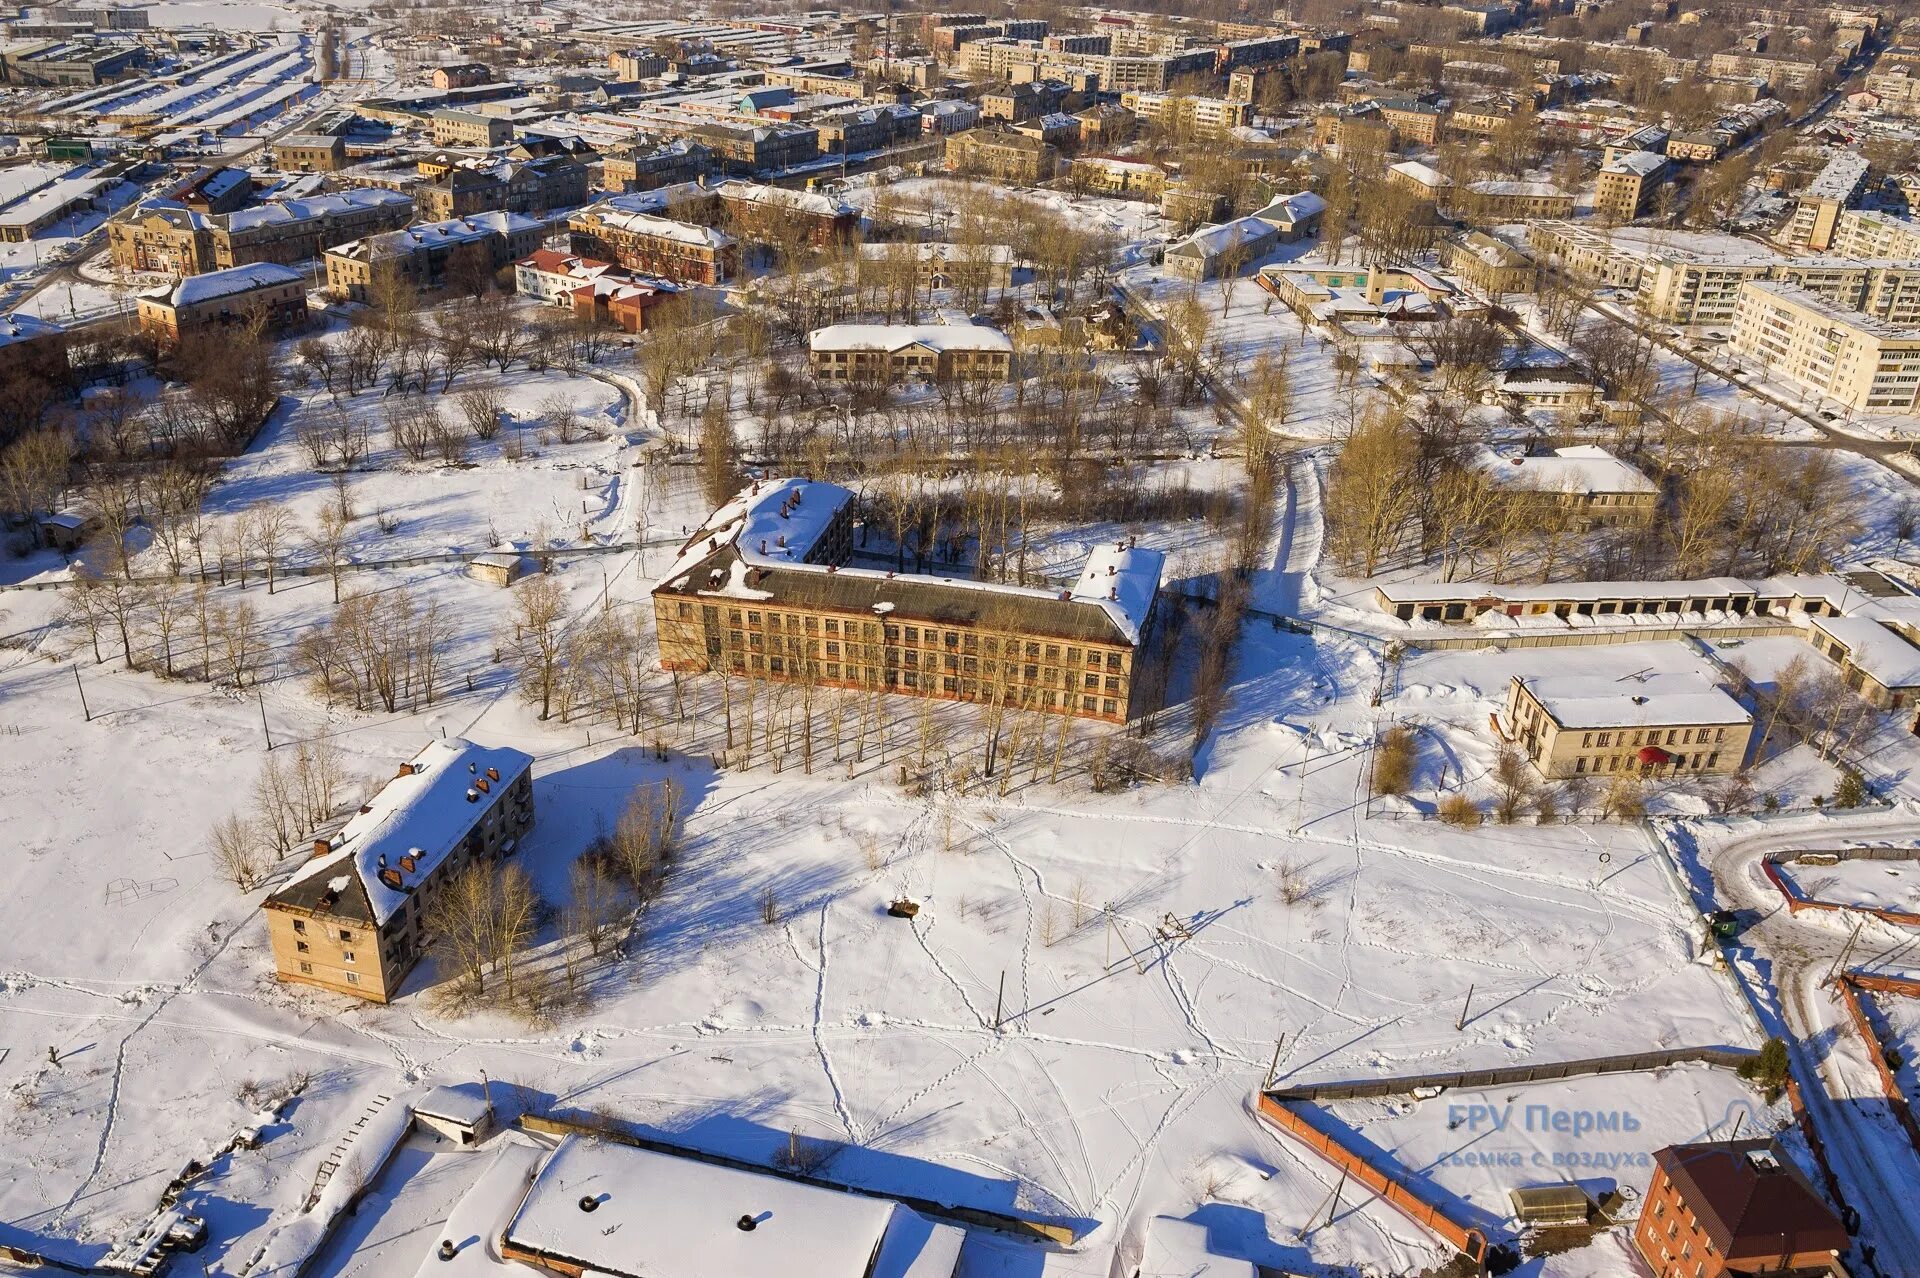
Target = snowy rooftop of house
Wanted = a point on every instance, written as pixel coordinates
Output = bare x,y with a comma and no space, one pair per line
1211,241
235,279
659,227
459,230
894,337
417,818
1424,174
1178,1249
777,523
796,201
1289,209
1584,701
1537,190
654,1215
1582,468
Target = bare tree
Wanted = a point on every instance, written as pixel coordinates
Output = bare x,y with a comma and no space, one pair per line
238,853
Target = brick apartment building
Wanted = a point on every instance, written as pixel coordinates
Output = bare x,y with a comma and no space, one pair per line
1004,155
1732,1209
515,186
682,252
353,918
815,619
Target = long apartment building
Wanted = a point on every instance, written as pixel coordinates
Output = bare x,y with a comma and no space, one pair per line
682,252
764,590
164,236
1195,117
429,255
1869,365
353,919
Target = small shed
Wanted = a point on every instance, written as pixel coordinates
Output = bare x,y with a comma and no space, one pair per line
67,531
462,1112
1550,1204
498,569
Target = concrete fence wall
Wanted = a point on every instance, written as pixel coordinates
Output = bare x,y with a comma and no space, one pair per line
1635,1062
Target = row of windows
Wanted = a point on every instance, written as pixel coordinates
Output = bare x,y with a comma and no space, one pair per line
1615,762
1652,736
963,640
932,682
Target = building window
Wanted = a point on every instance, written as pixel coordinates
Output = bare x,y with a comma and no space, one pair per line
346,956
353,978
346,934
307,968
300,947
300,926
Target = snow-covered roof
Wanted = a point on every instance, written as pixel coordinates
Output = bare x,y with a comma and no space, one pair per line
474,1225
1642,701
1426,175
1839,179
1212,241
456,1102
654,1215
658,227
1639,163
894,337
1178,1249
778,523
319,206
1582,468
1875,648
235,279
1288,210
418,818
811,202
1536,190
1806,586
18,327
938,251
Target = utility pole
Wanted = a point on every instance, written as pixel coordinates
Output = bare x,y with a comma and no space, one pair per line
999,1001
261,698
1274,1067
83,695
1839,964
1461,1023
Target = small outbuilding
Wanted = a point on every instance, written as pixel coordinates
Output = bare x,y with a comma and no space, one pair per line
462,1112
498,569
1549,1205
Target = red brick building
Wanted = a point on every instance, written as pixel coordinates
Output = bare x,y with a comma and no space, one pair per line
1733,1209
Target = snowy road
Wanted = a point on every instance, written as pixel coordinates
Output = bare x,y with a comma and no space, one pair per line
1876,1165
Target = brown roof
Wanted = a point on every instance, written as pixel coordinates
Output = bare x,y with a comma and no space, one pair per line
315,894
915,598
1751,1199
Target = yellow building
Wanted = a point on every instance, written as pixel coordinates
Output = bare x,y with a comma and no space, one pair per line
1867,364
353,918
1662,725
878,353
1625,187
764,590
1584,481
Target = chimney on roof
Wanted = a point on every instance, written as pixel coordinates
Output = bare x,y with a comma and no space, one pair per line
322,847
406,770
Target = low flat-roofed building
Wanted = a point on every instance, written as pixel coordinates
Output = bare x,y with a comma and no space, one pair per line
272,295
352,919
764,589
619,1211
1107,175
1875,648
310,153
1652,724
1585,481
892,352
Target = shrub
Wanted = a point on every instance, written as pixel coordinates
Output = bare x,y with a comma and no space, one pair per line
1393,758
1458,809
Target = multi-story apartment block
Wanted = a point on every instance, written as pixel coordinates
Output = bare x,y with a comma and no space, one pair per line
880,353
757,212
1898,89
266,293
1490,265
1110,176
1493,201
469,128
1585,254
1625,187
1657,725
748,149
645,167
1002,154
1733,1208
974,267
353,919
1192,117
1412,120
310,153
1867,364
431,254
812,618
1779,73
1864,233
516,186
683,252
462,75
164,237
1817,209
